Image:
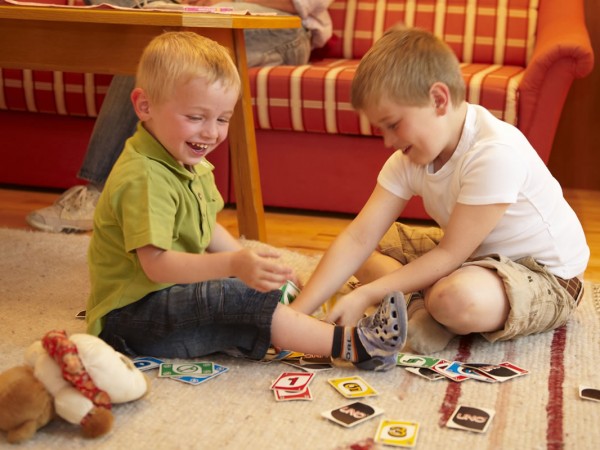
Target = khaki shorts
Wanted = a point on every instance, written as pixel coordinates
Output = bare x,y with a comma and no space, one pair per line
538,300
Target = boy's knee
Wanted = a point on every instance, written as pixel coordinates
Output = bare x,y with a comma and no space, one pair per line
466,307
453,304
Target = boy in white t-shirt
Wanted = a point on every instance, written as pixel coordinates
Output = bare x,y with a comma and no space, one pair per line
510,255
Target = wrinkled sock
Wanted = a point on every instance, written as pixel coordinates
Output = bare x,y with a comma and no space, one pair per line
373,344
415,303
425,334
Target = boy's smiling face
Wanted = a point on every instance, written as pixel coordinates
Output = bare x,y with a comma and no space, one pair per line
410,129
192,122
425,134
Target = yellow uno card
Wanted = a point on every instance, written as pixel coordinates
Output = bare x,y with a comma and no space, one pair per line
397,433
352,387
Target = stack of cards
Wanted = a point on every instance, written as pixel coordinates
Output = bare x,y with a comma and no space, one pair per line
190,372
436,369
274,355
306,362
292,386
310,363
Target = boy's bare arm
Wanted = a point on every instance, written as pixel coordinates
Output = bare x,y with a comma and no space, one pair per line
259,271
223,241
350,249
468,226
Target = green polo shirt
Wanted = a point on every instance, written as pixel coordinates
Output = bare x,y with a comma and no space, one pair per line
148,199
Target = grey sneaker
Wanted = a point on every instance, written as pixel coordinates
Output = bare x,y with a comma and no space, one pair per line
383,334
73,211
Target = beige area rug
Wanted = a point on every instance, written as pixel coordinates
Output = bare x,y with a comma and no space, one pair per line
43,284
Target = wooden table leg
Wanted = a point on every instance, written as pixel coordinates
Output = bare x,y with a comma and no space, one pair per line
244,159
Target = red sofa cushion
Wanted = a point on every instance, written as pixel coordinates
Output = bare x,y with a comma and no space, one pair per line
494,44
63,93
316,97
479,31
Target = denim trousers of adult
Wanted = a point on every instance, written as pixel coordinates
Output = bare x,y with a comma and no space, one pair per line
117,121
194,320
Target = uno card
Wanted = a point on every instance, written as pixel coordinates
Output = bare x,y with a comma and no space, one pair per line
452,370
289,292
293,381
515,368
352,387
397,433
352,414
308,367
316,362
470,419
476,375
589,393
410,360
499,372
440,366
186,369
283,355
147,362
199,379
283,396
426,373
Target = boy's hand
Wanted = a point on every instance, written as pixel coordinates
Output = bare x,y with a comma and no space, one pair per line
259,270
349,309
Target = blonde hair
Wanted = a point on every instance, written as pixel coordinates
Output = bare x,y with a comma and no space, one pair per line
402,66
175,58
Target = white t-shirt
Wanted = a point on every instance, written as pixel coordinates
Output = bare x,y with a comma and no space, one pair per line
494,163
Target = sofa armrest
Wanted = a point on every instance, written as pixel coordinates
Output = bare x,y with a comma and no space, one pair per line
562,52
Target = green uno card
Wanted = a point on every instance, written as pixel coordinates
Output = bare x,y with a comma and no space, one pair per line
194,368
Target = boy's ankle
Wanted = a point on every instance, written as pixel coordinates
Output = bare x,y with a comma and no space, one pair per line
415,303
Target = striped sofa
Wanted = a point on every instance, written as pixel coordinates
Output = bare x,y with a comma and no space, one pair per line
518,58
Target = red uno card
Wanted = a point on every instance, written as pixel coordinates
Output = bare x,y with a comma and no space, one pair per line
293,381
283,396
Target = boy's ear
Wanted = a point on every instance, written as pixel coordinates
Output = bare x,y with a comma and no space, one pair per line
141,104
440,96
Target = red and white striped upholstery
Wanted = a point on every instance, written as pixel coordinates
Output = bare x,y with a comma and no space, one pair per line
494,40
63,93
479,31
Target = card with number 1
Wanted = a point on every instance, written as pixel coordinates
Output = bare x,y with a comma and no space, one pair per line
293,381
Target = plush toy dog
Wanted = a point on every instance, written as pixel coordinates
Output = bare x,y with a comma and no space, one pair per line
77,378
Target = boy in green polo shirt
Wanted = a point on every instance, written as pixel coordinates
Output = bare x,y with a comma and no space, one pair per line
168,280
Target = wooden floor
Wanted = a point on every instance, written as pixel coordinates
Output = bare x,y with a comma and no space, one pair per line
306,232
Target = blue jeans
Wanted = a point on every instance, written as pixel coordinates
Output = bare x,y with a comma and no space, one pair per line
116,120
115,123
194,320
